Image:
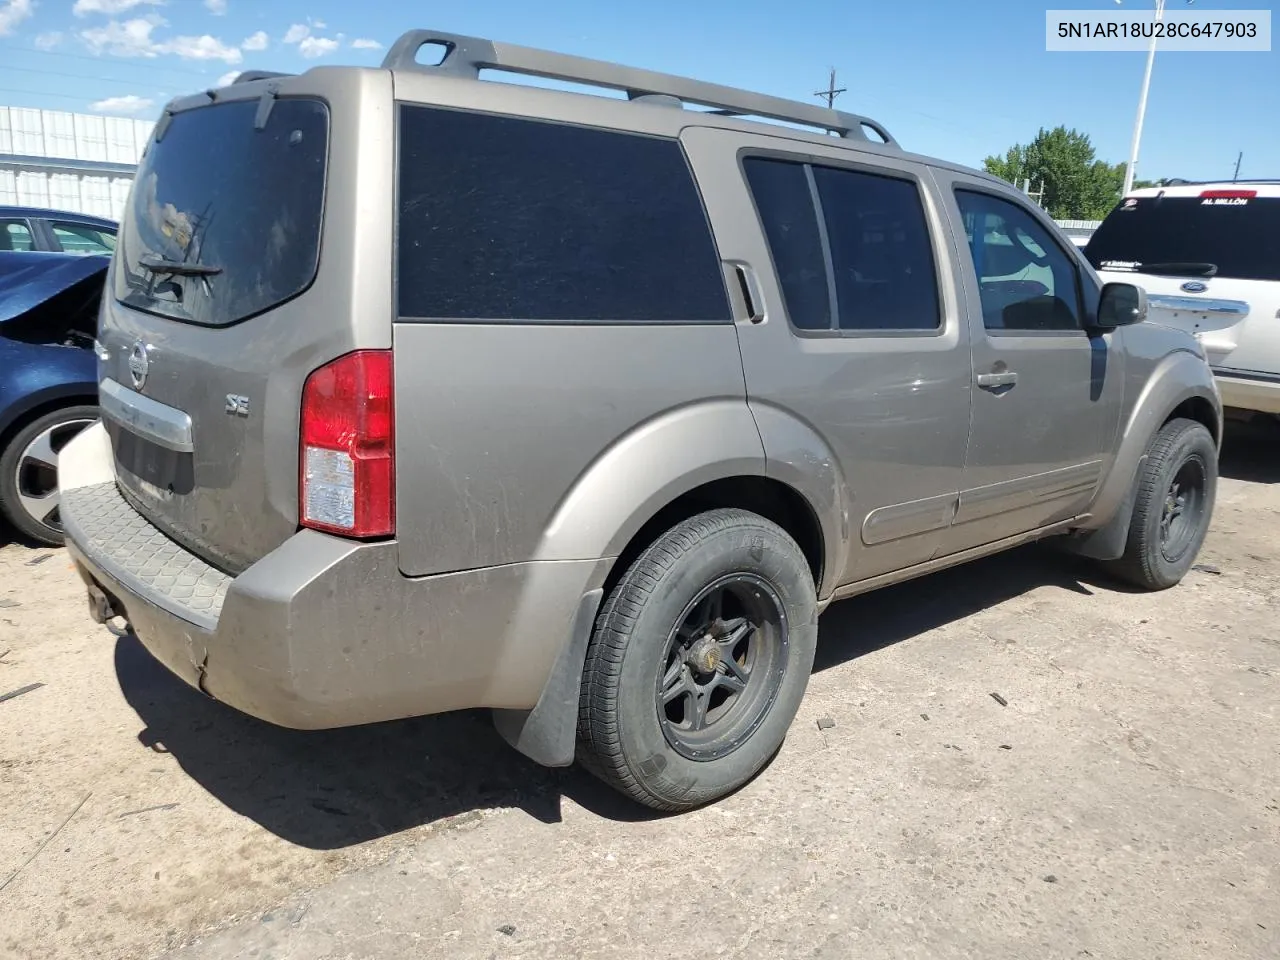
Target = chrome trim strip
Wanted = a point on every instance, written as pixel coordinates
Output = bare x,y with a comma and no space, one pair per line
1253,375
163,425
1229,308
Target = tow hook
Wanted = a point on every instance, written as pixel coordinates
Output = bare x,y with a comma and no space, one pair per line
101,609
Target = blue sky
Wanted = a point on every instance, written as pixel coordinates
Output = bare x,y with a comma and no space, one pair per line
949,78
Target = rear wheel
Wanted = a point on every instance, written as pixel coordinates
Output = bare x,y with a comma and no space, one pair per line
699,660
1175,496
29,472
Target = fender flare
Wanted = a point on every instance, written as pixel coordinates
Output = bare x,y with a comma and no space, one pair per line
1180,377
612,500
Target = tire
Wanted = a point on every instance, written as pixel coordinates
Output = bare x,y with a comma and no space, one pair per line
1177,486
653,674
28,472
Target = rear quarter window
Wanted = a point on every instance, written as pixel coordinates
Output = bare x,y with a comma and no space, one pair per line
512,219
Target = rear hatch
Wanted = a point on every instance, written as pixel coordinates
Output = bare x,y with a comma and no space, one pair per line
218,308
1209,259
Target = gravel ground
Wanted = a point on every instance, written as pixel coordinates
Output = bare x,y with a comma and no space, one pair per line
1125,803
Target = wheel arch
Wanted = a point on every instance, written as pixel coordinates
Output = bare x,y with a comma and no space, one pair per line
36,405
1180,386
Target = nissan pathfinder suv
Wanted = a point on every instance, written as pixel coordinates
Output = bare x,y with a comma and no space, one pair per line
422,392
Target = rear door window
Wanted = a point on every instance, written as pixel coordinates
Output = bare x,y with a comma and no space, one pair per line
223,220
82,238
513,219
784,201
1237,233
851,249
881,254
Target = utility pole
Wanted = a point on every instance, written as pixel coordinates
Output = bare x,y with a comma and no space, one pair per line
831,92
1236,176
1131,167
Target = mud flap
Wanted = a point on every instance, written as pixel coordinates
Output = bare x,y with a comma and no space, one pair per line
1108,542
547,734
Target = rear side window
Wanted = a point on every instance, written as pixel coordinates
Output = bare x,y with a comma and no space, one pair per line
513,219
851,249
223,220
82,238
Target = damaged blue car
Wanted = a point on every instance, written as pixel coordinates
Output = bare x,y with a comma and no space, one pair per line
48,378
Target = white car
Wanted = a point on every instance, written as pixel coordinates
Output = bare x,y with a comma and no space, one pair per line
1208,255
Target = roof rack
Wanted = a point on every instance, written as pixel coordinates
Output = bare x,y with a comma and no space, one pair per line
467,56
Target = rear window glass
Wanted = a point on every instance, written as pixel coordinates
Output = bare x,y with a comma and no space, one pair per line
1240,236
514,219
223,221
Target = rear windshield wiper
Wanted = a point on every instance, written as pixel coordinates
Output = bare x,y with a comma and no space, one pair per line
1181,269
179,268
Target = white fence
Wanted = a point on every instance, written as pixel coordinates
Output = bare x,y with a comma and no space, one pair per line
69,161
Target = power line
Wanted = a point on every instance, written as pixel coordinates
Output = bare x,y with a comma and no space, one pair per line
41,93
74,76
124,61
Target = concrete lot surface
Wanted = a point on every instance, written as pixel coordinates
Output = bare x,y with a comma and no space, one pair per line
1124,804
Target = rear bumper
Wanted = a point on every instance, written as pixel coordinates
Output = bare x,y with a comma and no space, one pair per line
322,632
1260,393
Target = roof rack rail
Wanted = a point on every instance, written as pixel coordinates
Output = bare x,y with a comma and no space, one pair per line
467,56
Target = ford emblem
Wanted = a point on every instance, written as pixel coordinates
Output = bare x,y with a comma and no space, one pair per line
1194,286
139,364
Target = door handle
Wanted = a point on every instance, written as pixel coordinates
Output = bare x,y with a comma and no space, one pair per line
990,381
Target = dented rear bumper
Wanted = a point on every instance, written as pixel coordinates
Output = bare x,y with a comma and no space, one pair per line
322,632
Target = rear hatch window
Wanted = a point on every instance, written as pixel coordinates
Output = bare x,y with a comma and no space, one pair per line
1238,235
223,220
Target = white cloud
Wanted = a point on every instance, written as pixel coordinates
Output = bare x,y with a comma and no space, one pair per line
257,41
365,44
50,40
297,33
312,47
319,24
84,8
129,104
132,38
12,13
227,79
216,7
202,48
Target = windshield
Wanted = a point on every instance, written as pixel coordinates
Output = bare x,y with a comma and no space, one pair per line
1238,235
223,221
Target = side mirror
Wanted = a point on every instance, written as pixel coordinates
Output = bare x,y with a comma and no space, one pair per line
1121,304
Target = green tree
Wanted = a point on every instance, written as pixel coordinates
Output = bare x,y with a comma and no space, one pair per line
1077,185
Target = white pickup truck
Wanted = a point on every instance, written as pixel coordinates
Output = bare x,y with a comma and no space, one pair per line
1208,255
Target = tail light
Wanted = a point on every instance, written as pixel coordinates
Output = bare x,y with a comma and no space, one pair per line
1228,194
347,462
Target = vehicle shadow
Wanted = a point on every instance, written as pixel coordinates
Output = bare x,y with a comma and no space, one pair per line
332,788
336,788
872,621
1251,450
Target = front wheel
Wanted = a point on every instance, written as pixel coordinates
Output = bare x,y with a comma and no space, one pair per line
1174,504
698,662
